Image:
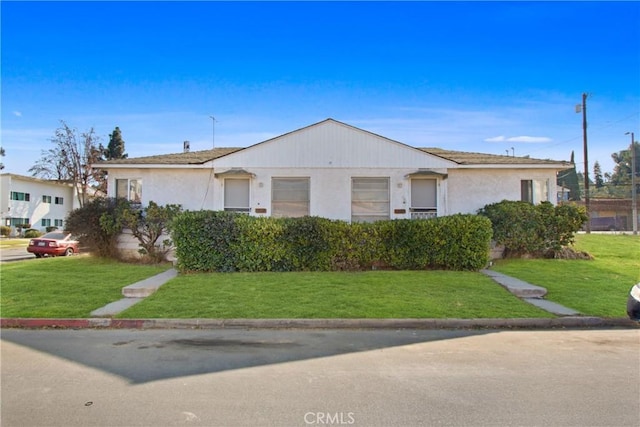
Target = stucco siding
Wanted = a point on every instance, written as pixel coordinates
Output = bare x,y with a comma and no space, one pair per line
330,190
191,188
36,209
475,188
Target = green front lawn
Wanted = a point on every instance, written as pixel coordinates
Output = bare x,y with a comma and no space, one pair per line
373,294
65,286
75,286
599,287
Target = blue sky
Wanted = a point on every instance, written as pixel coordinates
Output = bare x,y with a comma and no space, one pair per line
490,77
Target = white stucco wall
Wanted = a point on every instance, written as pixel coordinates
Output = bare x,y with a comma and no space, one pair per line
187,187
35,209
463,191
472,189
330,189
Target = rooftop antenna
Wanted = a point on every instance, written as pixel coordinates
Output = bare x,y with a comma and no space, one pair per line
213,133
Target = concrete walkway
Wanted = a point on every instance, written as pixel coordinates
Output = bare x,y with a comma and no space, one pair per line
135,293
529,293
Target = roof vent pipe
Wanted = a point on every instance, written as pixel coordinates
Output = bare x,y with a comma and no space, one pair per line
186,146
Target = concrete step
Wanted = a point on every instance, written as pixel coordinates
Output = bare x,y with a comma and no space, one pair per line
146,287
517,287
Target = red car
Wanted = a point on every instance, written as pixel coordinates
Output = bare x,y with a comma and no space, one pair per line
55,243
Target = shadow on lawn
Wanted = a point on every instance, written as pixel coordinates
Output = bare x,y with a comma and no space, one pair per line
148,355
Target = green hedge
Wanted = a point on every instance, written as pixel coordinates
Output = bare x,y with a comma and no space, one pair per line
538,230
224,242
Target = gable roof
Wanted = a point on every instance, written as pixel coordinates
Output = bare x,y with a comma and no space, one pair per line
185,159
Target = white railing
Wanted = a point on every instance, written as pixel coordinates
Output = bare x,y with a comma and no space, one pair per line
424,214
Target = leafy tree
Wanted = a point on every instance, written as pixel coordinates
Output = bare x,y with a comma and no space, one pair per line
597,175
70,160
622,170
568,178
115,148
148,225
96,225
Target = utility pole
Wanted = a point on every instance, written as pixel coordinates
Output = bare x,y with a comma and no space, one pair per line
634,208
583,108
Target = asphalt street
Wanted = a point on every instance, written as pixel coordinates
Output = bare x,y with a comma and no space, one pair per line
236,377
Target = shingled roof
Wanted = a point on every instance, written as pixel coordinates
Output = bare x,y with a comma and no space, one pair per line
188,158
459,157
468,158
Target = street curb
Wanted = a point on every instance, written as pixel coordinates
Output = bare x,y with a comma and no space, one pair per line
516,323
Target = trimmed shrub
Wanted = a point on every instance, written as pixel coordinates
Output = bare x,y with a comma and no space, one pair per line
259,245
32,234
457,242
353,247
5,230
536,230
205,240
222,241
307,242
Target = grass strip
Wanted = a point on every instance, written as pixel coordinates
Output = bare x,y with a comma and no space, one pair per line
65,286
374,294
599,287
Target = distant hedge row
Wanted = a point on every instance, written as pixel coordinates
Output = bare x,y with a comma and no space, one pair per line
226,242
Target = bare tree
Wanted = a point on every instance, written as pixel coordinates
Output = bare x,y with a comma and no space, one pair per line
70,160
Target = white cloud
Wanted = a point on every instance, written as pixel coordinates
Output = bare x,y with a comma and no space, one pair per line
530,139
496,139
17,113
525,139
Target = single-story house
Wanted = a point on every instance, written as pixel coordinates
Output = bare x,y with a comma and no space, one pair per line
39,202
334,170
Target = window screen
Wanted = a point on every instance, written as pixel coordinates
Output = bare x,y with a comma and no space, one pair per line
289,197
236,195
369,199
423,194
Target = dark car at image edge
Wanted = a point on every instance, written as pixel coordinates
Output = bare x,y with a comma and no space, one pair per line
55,243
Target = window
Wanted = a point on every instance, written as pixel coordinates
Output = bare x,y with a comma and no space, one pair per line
526,190
46,199
45,222
236,195
130,189
289,197
534,191
58,222
18,221
369,199
59,200
424,201
23,197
